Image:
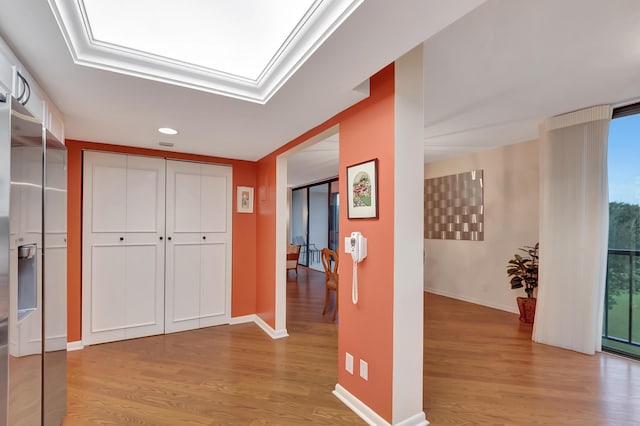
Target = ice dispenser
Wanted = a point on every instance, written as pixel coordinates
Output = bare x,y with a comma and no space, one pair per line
27,280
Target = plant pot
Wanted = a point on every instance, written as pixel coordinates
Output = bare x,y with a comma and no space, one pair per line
527,308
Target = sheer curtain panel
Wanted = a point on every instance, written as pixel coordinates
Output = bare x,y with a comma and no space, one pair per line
574,221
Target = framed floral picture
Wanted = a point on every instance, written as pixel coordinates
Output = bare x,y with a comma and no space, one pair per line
362,190
245,199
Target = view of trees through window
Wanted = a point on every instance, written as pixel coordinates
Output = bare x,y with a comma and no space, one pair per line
621,331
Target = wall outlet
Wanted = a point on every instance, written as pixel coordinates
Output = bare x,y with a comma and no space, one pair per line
348,364
364,370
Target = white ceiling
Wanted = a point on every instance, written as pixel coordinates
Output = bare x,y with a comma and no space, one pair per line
493,71
315,163
494,75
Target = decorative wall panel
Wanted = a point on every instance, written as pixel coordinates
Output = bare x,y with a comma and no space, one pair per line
453,207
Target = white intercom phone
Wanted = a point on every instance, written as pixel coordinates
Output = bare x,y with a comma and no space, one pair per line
356,244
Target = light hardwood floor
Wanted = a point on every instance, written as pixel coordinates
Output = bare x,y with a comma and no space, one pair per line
480,368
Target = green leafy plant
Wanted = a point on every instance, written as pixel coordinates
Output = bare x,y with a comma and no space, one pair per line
523,269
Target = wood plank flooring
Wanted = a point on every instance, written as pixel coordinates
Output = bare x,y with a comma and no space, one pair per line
480,368
226,375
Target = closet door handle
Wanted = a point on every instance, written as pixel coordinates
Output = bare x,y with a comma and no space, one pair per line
121,238
204,238
169,238
160,238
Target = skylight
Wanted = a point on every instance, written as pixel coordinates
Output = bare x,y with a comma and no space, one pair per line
242,48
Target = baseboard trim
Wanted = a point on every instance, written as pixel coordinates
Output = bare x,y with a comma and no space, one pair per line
360,408
75,346
243,319
418,420
512,309
274,334
371,417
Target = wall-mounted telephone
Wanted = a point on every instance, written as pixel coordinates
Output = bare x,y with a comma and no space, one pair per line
356,244
358,247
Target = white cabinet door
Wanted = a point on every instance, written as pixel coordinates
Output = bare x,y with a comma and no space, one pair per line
198,279
215,271
123,247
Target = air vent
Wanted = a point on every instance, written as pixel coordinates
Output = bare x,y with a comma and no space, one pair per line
169,144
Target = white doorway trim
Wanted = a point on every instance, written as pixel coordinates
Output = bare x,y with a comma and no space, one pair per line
281,225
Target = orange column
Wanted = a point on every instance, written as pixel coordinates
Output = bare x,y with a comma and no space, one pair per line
365,329
266,237
386,126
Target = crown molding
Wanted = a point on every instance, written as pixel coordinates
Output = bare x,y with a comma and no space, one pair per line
320,21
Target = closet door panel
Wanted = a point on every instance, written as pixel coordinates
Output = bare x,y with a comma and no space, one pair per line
145,194
108,274
201,295
213,205
145,249
143,316
183,286
183,248
215,290
123,210
108,191
183,192
212,288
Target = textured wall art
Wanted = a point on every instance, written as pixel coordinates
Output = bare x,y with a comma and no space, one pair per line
453,207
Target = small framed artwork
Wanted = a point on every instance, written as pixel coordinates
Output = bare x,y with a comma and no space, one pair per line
245,199
362,190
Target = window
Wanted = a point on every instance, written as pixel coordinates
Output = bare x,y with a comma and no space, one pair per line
621,326
314,221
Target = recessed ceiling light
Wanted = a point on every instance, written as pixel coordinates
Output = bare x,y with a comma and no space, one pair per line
168,131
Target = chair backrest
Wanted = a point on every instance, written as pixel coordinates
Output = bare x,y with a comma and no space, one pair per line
293,253
330,264
293,249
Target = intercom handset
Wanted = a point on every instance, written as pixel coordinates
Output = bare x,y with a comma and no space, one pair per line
356,244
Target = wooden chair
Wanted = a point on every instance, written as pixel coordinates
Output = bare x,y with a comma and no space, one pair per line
293,253
330,264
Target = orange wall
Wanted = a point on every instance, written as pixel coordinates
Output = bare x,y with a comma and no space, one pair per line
266,239
243,242
365,330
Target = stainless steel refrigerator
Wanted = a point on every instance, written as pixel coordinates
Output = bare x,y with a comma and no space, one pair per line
33,329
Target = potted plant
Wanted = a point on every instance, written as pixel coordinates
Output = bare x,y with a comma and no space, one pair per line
523,270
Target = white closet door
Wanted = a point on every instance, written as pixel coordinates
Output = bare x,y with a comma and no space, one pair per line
198,279
215,271
182,283
123,253
145,246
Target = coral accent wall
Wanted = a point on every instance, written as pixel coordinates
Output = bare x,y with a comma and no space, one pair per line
266,240
243,298
365,330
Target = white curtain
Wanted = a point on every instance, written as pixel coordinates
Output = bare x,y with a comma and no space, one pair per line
574,224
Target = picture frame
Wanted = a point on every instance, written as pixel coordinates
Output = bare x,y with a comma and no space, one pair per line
362,190
244,199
